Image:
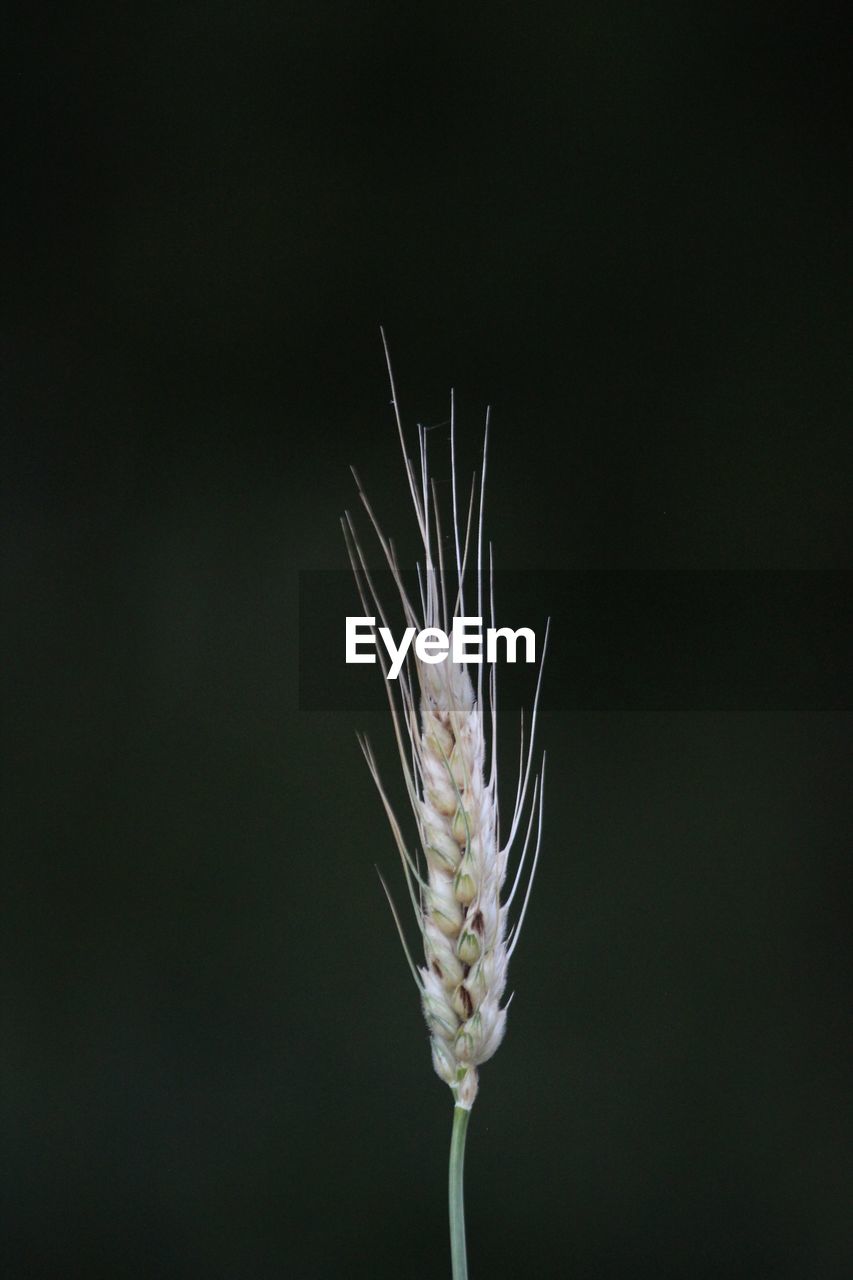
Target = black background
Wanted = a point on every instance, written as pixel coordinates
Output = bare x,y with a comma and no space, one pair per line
624,226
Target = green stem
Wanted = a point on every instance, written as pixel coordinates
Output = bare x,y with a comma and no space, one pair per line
457,1204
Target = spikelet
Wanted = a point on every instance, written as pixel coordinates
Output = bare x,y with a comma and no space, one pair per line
455,880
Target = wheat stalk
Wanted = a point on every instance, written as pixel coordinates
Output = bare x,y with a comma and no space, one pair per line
455,879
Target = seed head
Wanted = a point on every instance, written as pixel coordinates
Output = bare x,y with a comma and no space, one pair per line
455,878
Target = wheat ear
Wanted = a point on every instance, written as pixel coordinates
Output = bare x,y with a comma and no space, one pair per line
455,880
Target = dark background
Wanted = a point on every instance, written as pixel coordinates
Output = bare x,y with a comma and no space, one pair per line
625,226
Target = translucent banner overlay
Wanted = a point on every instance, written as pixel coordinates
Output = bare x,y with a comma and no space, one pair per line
632,640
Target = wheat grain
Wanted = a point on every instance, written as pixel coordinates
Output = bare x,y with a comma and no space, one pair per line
455,880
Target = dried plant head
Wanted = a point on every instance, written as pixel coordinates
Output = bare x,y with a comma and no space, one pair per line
446,735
